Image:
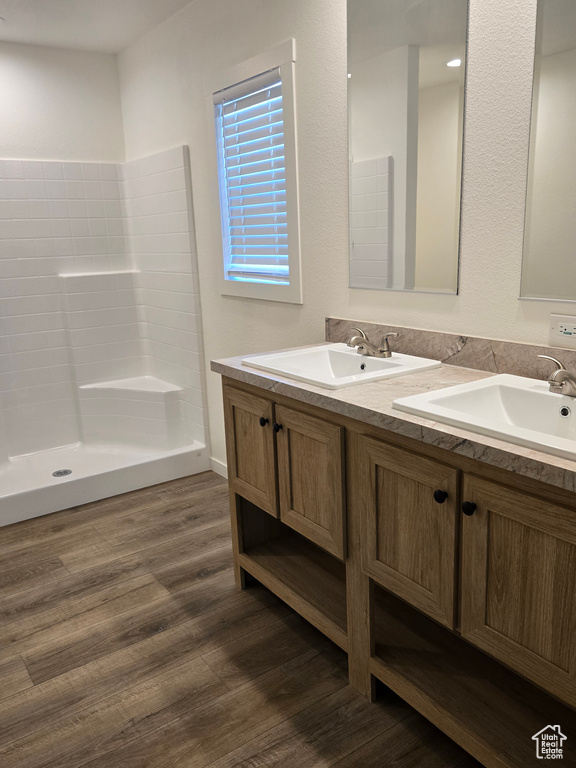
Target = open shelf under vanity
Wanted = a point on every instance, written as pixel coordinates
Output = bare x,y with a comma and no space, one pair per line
308,579
484,707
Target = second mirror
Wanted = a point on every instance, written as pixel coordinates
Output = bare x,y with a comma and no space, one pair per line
406,95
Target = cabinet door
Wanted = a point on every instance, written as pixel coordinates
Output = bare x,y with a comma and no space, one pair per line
311,478
409,546
250,448
519,584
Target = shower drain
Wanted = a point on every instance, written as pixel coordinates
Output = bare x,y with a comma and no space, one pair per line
61,472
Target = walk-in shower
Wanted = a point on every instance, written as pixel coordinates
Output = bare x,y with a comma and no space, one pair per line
101,373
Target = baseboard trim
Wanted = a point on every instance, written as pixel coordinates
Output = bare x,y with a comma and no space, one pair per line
219,467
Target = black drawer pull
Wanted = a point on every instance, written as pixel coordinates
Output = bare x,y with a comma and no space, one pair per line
276,427
263,421
468,507
440,496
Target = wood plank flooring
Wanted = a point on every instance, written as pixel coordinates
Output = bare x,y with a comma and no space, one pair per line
125,644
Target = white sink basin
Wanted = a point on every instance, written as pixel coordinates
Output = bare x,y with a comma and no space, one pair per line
514,408
336,365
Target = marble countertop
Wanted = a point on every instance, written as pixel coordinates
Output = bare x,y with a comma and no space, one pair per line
371,403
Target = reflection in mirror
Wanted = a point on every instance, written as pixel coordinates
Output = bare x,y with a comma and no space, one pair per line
549,260
405,103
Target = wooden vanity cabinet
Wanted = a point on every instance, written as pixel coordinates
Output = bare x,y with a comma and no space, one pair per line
517,572
452,582
311,478
410,516
290,464
519,583
250,448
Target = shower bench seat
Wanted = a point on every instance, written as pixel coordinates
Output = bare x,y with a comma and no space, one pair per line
144,408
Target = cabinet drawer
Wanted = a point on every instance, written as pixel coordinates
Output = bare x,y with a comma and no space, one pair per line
409,542
250,448
311,478
519,584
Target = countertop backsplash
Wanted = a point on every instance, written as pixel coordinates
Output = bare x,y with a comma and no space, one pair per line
481,354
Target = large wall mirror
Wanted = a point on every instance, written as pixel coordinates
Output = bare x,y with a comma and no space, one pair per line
549,261
406,94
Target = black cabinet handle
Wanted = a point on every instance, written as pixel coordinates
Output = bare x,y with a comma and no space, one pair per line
276,427
263,421
440,496
468,507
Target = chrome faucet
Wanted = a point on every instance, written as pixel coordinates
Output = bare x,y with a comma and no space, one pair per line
365,347
561,381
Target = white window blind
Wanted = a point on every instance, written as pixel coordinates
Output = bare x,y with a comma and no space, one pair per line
252,172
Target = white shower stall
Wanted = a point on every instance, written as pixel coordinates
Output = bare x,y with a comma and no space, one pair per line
101,370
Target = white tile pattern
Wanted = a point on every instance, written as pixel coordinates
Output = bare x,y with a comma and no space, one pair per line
371,223
103,319
97,224
53,217
157,195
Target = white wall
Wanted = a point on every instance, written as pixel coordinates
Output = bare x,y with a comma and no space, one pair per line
59,105
163,97
499,80
164,80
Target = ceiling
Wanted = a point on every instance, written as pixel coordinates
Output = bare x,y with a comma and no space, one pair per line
374,26
106,26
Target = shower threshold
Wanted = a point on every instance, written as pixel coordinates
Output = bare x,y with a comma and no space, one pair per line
41,483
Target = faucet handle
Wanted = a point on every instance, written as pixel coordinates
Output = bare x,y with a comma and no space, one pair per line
384,343
361,332
384,347
553,359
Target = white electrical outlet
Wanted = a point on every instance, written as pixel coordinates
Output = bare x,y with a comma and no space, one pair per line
563,331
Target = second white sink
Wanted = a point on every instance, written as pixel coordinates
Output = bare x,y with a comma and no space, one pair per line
337,365
513,408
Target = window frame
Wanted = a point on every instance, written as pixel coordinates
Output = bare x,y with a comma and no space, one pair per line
281,57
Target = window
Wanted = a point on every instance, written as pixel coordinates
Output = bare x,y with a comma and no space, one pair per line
258,185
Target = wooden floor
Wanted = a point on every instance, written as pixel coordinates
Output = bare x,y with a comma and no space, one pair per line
125,644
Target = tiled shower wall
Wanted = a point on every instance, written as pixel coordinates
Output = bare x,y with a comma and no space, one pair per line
371,223
158,209
54,217
105,332
71,218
